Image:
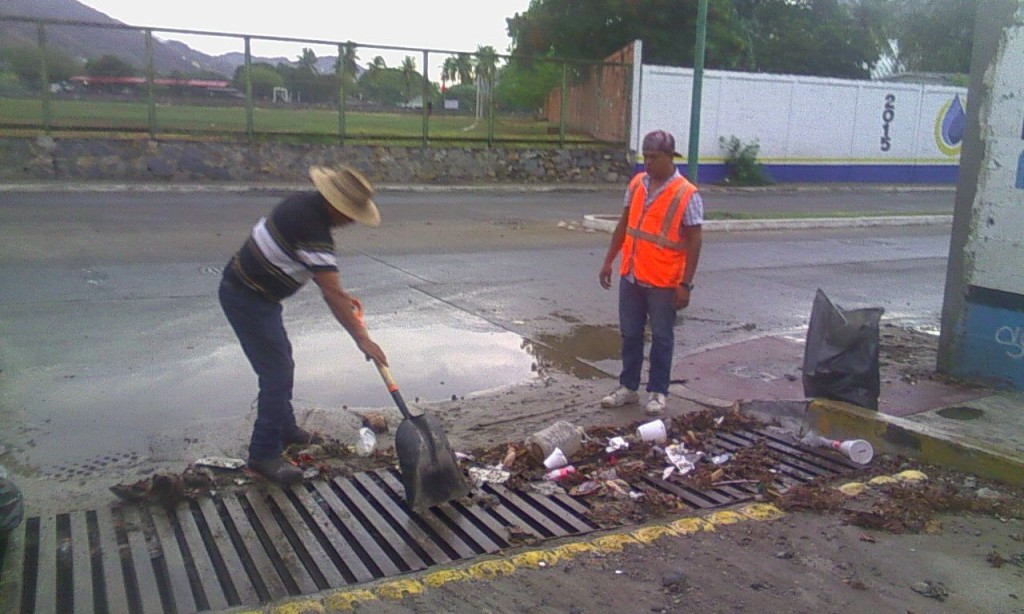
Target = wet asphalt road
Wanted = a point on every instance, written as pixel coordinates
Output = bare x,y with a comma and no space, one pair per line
114,346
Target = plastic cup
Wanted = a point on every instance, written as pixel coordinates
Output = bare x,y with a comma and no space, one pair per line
857,450
557,474
653,431
556,459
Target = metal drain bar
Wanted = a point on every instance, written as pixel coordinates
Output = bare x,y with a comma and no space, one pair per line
260,545
796,465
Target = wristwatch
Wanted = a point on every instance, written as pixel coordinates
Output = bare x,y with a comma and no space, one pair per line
688,286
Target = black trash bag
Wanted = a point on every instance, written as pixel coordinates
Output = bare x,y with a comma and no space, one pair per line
841,354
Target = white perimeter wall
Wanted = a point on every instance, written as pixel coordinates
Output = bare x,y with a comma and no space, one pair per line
796,120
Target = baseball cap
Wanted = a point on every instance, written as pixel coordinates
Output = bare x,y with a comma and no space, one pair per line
660,140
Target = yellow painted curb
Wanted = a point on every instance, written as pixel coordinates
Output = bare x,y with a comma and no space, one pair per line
399,589
536,558
490,569
688,526
761,511
895,435
347,600
306,606
440,578
569,551
882,480
613,543
647,535
726,517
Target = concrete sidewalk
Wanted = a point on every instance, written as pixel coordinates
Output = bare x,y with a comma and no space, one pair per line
936,421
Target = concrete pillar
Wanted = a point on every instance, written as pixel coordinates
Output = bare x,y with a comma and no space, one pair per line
983,309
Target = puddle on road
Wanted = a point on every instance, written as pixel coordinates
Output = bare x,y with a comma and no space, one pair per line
567,353
164,404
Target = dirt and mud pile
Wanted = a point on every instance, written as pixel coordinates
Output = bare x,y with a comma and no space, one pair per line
613,471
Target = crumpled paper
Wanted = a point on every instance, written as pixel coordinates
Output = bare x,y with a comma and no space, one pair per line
615,444
496,474
586,488
220,462
683,461
547,488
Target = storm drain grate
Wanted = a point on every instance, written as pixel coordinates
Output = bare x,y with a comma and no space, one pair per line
260,545
796,465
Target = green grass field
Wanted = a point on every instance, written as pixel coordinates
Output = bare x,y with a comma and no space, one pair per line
17,114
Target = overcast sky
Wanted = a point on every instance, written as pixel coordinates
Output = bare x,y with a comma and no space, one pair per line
456,25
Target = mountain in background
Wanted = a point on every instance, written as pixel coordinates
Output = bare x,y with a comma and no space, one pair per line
82,43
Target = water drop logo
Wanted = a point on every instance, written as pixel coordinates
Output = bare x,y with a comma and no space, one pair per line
949,127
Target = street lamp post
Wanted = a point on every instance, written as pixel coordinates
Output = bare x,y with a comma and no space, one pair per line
698,78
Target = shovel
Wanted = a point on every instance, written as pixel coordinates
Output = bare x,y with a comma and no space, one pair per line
430,472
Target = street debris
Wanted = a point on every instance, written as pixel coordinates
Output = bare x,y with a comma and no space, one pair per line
905,501
367,442
683,460
168,489
221,462
934,590
995,559
376,422
857,450
563,435
495,475
626,480
561,473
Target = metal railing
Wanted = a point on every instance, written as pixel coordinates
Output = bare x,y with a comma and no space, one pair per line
599,116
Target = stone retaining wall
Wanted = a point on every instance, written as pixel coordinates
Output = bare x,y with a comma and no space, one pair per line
63,159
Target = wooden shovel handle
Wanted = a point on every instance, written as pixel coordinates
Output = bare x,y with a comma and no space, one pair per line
385,372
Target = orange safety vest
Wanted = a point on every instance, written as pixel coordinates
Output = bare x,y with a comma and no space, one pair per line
654,248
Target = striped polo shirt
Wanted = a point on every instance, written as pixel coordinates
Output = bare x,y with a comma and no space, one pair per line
286,248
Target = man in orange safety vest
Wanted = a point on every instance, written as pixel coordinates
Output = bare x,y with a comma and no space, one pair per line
659,236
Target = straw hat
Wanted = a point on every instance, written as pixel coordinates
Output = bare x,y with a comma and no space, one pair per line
348,191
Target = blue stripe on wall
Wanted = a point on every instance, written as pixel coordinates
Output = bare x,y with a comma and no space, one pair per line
839,173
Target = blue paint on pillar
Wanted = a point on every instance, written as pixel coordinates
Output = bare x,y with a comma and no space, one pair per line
991,348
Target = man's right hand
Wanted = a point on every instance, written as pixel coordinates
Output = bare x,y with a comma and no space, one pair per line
372,351
605,276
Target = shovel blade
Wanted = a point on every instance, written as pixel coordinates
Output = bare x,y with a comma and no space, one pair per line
430,472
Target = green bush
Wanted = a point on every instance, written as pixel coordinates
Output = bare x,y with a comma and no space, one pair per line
741,165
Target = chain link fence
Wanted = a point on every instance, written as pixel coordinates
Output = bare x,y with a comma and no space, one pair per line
275,88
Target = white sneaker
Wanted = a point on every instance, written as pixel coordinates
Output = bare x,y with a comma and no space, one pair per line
655,404
621,396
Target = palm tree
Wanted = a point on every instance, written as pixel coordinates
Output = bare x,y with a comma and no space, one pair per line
449,72
347,63
378,63
307,61
485,69
464,66
408,74
486,63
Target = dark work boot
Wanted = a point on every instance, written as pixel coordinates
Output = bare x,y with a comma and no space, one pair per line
277,470
302,437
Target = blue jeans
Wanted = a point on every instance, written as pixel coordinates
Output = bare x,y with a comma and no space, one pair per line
260,329
639,306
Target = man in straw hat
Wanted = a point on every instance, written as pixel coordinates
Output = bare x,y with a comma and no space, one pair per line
659,236
287,248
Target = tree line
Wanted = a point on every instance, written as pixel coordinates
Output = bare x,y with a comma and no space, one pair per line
825,38
828,38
